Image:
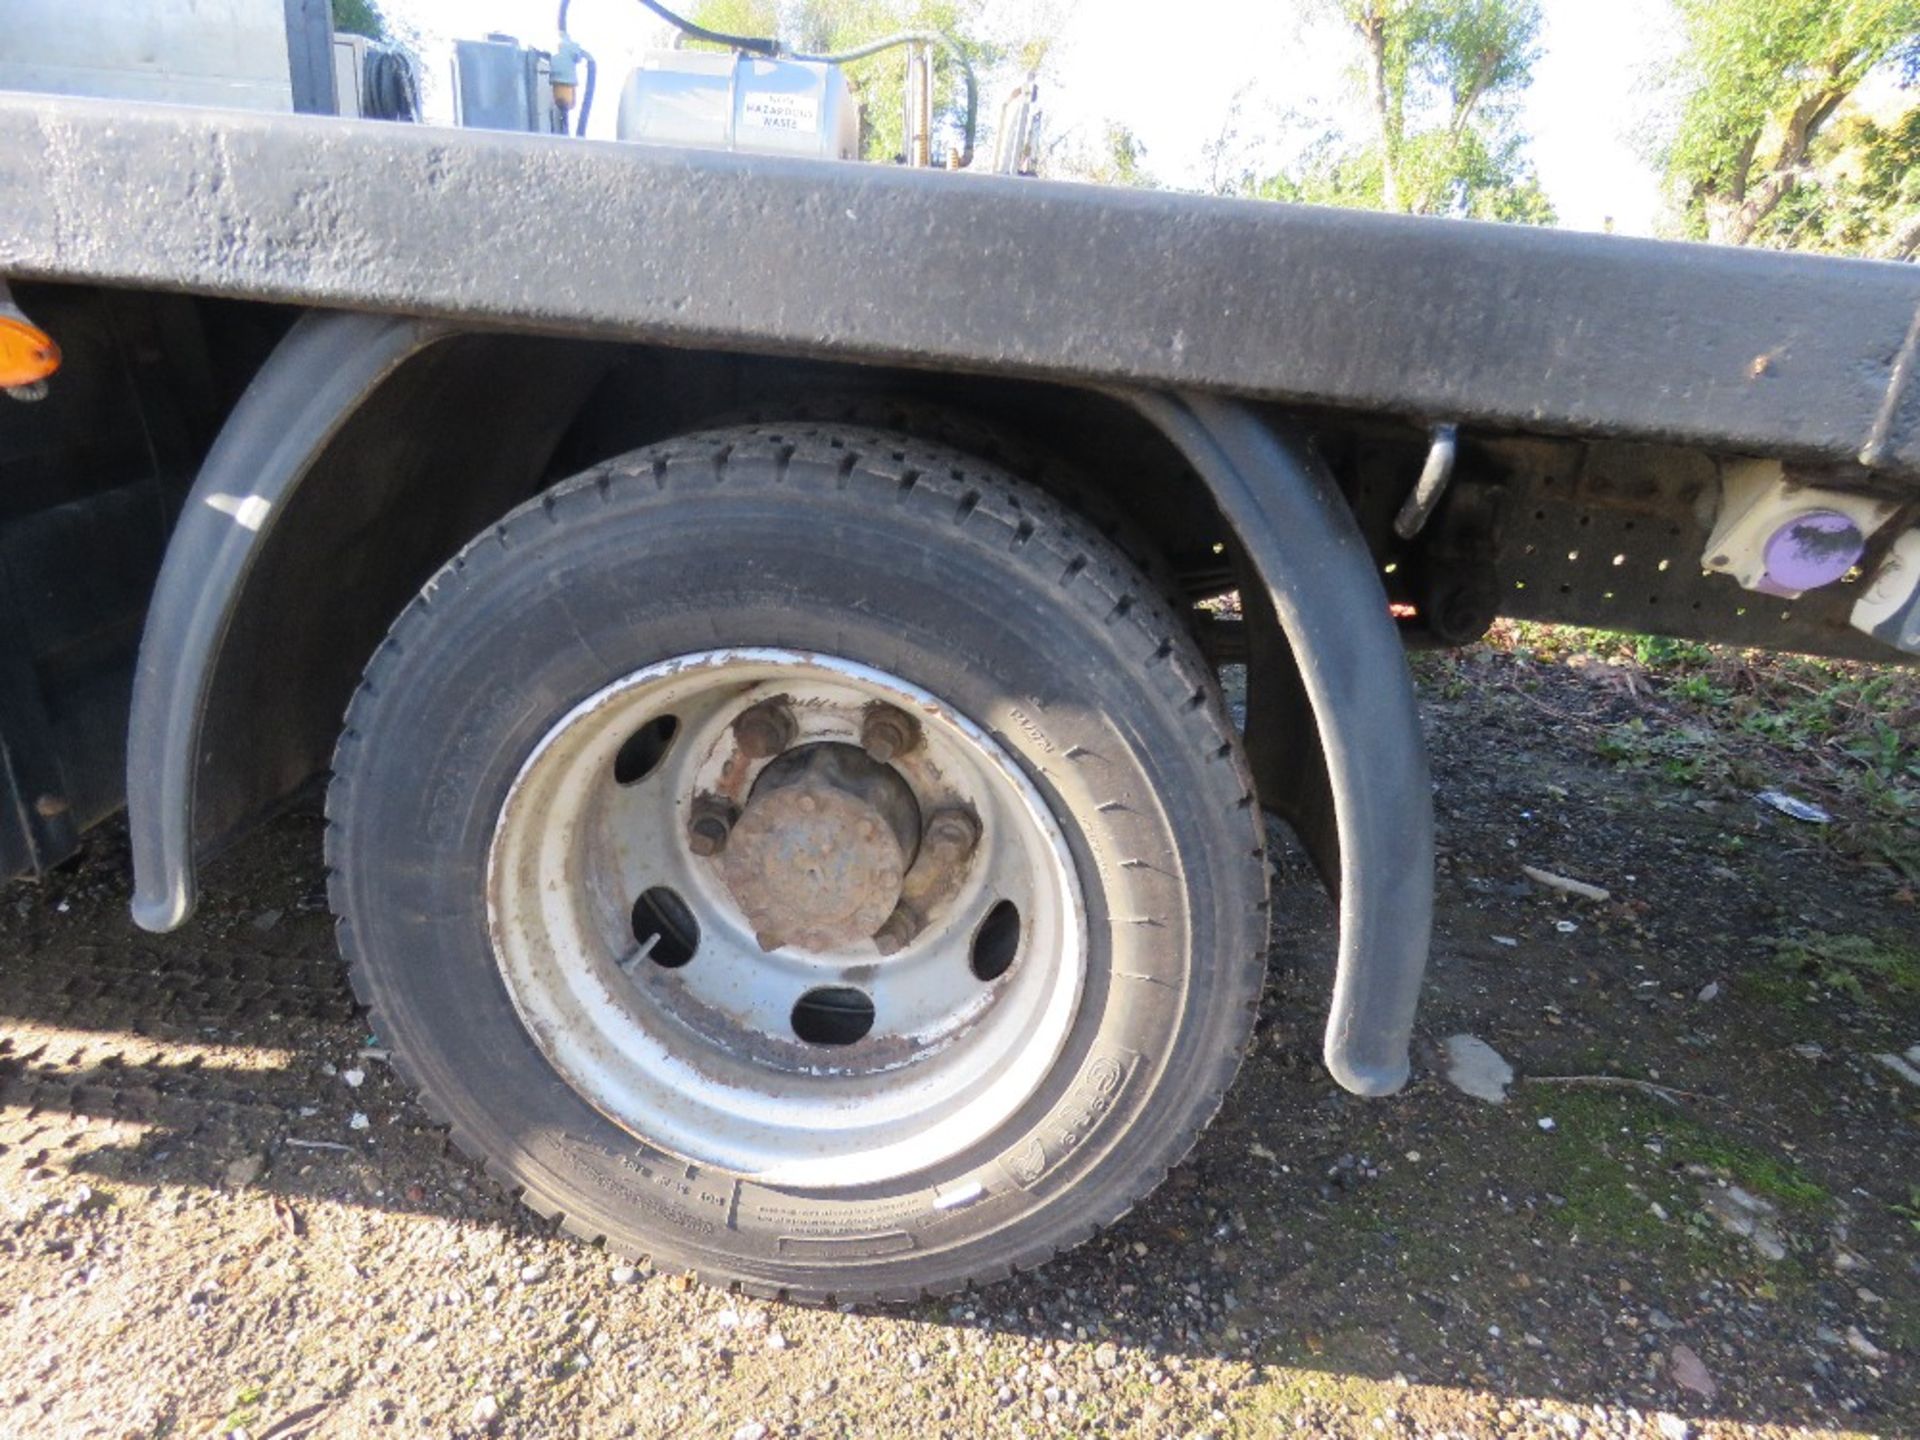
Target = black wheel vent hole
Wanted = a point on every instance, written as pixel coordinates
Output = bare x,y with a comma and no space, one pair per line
665,928
645,749
833,1015
996,942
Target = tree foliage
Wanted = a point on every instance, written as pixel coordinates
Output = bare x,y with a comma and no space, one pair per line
1861,194
1111,155
1440,82
1442,76
1766,149
359,17
372,19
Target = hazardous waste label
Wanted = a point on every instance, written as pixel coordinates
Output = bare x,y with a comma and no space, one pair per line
776,111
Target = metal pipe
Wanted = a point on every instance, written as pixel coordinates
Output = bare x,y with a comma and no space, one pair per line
1441,453
1011,135
970,126
920,106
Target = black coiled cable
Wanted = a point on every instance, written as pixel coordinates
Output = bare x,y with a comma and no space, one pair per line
751,45
391,90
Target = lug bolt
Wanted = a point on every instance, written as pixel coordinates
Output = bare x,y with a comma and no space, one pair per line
765,730
709,828
894,936
952,835
888,732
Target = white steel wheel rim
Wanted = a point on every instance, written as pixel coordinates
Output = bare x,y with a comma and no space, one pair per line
702,1059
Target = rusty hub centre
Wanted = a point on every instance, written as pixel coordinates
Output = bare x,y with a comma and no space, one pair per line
817,856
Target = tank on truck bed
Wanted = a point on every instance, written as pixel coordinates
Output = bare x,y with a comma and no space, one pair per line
765,597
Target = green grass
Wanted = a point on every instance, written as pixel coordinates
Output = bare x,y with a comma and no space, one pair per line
1866,971
1775,988
1269,1407
245,1409
1750,1168
1684,755
1602,1164
1910,1211
1846,732
1701,692
1901,1327
1609,1181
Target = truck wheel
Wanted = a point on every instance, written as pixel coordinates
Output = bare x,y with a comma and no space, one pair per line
806,857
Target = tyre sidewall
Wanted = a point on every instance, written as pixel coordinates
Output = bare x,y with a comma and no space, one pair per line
648,562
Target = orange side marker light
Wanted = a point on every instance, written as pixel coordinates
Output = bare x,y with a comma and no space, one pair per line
28,354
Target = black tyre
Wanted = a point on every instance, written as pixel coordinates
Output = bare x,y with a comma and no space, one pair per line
806,857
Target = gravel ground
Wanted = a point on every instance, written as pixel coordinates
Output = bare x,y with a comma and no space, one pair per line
220,1213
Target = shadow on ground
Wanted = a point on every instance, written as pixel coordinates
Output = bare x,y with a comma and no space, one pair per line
213,1181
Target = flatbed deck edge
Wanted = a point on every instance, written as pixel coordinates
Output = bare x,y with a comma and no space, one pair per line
1508,327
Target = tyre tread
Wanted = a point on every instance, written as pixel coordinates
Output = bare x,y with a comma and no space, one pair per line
1041,532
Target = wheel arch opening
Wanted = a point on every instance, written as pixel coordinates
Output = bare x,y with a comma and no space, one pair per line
246,670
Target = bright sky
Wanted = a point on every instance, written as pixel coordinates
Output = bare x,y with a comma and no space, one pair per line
1173,79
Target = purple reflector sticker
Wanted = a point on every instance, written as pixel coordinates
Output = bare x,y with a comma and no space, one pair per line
1812,550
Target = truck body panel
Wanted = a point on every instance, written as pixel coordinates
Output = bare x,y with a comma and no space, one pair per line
1509,328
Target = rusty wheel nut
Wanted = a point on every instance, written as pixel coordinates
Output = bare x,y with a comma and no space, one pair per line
952,835
709,828
765,730
888,732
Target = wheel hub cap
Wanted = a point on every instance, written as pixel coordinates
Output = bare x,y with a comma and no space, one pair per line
817,858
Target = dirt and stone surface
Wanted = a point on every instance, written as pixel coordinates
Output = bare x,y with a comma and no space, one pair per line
1695,1212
